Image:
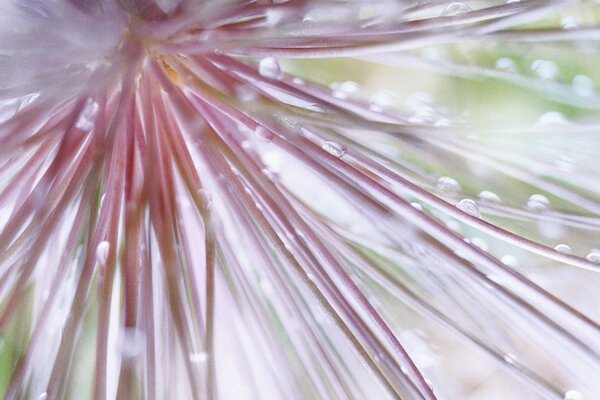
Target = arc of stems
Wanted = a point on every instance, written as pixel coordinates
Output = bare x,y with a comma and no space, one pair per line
425,182
324,302
534,311
484,226
563,313
454,241
409,34
522,175
414,190
330,370
297,267
337,240
180,105
190,168
312,242
236,149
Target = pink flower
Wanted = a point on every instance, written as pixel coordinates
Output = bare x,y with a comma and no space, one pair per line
188,211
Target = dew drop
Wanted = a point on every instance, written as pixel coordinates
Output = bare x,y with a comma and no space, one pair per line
102,252
553,118
416,205
334,149
509,260
545,69
344,90
583,85
593,256
88,116
447,185
488,196
563,248
573,395
382,99
269,68
443,122
569,22
469,206
455,8
199,357
510,358
538,202
506,64
43,396
423,114
263,134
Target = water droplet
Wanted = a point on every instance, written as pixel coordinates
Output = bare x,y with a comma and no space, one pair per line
423,114
506,64
88,116
569,22
43,396
263,134
583,85
573,395
490,197
447,185
538,202
443,122
510,358
553,118
593,256
455,8
344,90
269,68
102,252
298,81
382,100
545,69
563,248
469,206
334,149
199,357
416,205
509,260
